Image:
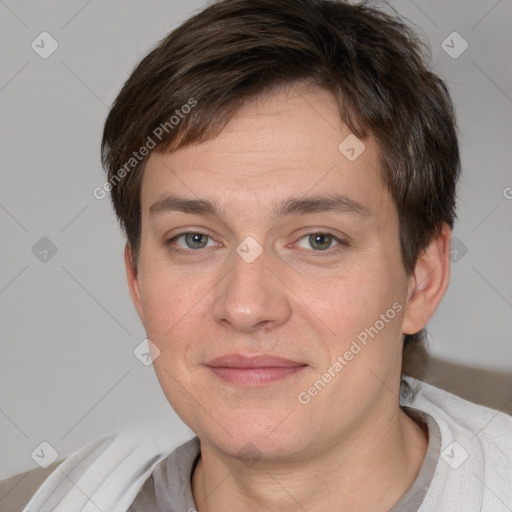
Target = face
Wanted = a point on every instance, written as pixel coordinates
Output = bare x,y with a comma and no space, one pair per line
257,266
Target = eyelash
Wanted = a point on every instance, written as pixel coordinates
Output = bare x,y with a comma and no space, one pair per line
318,253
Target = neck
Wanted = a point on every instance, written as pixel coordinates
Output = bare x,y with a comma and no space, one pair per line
370,471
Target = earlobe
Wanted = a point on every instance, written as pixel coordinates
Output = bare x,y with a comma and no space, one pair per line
428,283
133,281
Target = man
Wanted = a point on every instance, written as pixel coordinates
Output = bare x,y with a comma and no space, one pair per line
286,174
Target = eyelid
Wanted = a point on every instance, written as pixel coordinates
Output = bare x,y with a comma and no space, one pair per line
174,237
340,241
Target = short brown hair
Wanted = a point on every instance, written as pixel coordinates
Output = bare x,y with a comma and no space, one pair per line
235,50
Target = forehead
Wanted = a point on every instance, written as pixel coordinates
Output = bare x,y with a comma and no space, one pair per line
286,143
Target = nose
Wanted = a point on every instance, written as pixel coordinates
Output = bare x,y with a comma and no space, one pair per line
251,297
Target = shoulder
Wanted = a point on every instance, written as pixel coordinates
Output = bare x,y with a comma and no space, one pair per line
16,491
108,471
460,413
475,459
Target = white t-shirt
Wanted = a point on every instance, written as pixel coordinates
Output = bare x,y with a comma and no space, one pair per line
467,468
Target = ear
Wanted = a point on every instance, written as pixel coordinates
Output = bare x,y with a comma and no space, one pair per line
133,281
428,283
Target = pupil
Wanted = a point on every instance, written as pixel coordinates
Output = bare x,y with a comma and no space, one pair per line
320,239
194,238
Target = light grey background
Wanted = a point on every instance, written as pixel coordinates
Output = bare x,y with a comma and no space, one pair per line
67,373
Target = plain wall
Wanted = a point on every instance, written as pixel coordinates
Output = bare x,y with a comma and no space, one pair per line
67,373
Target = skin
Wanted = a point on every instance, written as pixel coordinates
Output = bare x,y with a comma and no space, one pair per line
261,449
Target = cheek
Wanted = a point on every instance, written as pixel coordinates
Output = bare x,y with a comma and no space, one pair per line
171,309
365,306
168,300
174,309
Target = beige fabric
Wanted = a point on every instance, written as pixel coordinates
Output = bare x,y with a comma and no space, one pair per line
484,387
16,491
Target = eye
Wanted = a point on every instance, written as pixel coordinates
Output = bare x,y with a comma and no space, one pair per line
192,240
320,241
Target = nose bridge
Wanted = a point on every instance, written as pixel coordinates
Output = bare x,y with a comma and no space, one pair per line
250,297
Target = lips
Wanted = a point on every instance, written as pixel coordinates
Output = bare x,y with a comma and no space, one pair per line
263,361
253,371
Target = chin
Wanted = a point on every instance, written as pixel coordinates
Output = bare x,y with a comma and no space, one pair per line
253,435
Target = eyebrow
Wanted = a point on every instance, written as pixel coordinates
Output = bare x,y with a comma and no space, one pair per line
291,206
